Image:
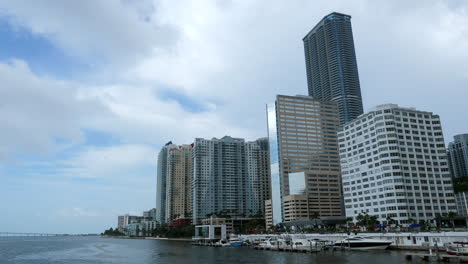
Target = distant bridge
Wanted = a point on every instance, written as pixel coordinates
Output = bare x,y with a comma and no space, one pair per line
16,234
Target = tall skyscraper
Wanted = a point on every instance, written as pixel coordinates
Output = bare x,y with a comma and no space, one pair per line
458,163
332,72
394,165
304,159
179,183
226,177
161,182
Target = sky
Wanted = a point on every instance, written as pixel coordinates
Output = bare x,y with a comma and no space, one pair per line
91,90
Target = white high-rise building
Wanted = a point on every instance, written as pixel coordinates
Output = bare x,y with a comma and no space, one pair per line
457,153
394,165
228,177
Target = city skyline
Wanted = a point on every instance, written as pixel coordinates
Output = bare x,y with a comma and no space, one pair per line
90,97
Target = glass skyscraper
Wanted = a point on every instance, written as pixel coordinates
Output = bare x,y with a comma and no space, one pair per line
332,72
304,159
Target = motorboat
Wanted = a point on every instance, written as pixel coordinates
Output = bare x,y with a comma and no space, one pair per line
223,243
458,248
305,244
271,243
235,242
362,243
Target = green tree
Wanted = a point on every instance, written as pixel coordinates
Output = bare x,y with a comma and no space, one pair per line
423,225
112,232
367,221
438,219
137,230
452,216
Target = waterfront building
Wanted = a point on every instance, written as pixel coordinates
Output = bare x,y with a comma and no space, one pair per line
121,223
226,177
332,72
150,214
258,171
209,233
178,183
304,160
234,225
457,153
394,165
161,183
141,228
124,220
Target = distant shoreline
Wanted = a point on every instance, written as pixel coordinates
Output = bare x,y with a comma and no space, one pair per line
183,239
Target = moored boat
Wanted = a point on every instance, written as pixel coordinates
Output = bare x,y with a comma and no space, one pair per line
305,244
235,242
363,243
458,248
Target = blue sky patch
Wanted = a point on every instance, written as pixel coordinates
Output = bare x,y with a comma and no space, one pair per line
43,57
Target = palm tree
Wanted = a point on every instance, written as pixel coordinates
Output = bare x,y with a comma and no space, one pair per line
438,219
451,216
422,224
391,221
373,222
368,221
362,219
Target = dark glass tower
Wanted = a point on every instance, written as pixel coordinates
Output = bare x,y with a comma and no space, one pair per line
332,72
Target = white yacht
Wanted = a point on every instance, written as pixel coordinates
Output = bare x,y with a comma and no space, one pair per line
305,244
273,243
458,248
362,243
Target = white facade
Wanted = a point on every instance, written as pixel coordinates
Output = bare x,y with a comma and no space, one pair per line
462,203
394,164
227,177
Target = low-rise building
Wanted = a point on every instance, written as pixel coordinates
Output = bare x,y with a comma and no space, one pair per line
150,214
234,225
206,233
124,220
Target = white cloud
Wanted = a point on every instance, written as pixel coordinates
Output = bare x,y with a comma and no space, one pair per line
103,31
111,164
35,112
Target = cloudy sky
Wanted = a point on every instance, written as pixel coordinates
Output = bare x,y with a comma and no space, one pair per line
90,90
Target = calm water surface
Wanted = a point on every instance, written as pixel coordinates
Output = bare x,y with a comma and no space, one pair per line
74,250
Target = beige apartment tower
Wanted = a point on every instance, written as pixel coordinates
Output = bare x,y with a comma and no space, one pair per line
304,159
179,182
